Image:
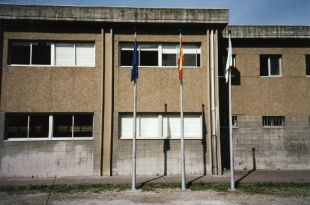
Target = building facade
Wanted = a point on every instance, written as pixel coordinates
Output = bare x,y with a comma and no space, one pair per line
67,99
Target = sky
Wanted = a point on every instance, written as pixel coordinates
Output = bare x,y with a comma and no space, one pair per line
241,12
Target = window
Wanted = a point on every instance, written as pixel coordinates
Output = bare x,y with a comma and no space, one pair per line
53,54
161,126
48,126
308,65
160,55
222,67
270,65
273,121
225,121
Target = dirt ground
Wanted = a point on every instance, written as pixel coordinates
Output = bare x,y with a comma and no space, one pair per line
164,196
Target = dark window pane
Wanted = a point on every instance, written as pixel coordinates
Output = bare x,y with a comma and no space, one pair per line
62,126
274,65
16,125
41,54
83,126
126,58
169,59
264,65
38,126
307,64
189,60
20,53
198,60
149,58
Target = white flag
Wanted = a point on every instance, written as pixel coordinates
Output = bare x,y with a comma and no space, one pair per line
229,59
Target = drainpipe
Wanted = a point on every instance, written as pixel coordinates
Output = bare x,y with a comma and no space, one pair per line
213,113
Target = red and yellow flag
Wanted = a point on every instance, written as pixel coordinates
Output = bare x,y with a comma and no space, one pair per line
180,60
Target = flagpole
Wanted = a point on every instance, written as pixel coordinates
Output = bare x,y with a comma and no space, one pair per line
182,121
232,175
133,187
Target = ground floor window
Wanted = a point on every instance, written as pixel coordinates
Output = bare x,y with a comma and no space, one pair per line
273,121
46,125
160,126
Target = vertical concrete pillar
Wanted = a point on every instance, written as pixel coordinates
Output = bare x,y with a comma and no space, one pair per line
107,101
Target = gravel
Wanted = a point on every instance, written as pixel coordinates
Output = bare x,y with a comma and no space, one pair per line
161,196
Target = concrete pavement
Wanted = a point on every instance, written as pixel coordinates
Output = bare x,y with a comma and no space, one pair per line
241,177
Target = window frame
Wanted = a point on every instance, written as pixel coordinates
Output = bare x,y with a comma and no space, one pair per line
270,121
160,47
50,125
269,56
53,57
160,118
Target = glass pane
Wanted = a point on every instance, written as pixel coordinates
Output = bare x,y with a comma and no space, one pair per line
20,53
169,60
126,58
62,126
274,65
16,125
264,65
83,126
149,125
41,54
38,126
149,58
189,60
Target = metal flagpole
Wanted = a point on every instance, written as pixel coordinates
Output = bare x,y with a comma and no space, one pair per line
181,113
232,175
133,187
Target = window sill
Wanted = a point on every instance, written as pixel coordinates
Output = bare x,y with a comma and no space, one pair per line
160,138
48,139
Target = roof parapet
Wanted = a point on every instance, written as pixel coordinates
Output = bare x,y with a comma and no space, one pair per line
267,31
113,14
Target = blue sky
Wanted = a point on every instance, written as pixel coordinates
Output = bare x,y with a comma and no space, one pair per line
241,12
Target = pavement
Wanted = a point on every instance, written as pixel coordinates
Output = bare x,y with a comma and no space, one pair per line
241,177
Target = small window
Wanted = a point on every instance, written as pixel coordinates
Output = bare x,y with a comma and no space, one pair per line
273,121
270,65
234,121
308,65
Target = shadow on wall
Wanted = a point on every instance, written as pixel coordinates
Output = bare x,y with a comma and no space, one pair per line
249,172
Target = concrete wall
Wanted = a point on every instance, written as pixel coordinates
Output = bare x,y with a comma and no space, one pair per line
47,158
272,148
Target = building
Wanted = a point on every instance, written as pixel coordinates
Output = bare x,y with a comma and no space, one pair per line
67,100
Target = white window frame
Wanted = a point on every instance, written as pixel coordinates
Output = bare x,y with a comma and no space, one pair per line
53,54
50,132
160,48
279,58
126,132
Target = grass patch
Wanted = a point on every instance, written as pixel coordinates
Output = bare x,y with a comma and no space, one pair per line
285,190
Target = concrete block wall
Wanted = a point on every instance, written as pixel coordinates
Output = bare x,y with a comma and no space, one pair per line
47,158
286,148
157,157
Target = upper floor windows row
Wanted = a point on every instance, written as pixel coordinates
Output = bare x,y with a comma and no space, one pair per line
52,54
160,55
